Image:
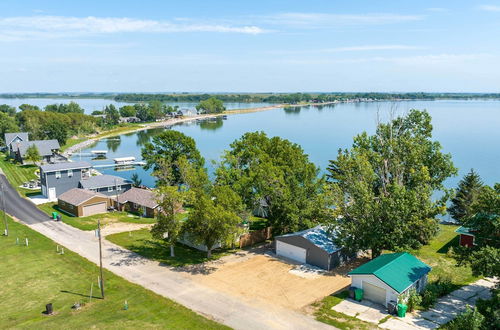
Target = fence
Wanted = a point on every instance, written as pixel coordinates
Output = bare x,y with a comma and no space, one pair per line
254,237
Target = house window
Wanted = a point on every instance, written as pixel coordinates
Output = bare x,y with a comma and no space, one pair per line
110,188
58,175
70,173
62,203
118,187
136,206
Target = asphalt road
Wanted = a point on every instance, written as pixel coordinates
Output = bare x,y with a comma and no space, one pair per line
169,282
19,207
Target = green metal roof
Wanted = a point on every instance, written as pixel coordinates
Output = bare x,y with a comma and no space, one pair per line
464,230
397,270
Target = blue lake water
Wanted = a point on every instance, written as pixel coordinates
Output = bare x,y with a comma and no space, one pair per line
469,130
90,105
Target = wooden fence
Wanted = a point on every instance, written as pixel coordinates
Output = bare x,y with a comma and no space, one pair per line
254,237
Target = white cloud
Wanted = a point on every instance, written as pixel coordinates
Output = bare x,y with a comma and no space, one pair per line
18,28
362,48
489,8
325,20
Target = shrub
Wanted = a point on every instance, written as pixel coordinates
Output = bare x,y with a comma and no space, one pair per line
471,319
491,310
414,299
429,297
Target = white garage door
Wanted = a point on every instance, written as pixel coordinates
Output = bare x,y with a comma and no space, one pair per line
94,209
374,293
290,251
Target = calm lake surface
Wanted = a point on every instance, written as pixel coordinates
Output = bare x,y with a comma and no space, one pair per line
469,130
90,105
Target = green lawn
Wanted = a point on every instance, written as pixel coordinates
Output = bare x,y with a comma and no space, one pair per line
443,265
17,174
141,242
90,223
72,142
36,275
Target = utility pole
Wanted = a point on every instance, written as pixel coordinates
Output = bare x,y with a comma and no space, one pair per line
100,256
3,209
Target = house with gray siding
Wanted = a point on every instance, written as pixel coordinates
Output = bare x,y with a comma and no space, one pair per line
109,185
312,246
58,178
12,139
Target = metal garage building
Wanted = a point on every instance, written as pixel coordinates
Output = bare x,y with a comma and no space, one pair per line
312,246
389,276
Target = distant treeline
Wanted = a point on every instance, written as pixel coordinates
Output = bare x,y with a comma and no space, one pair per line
298,97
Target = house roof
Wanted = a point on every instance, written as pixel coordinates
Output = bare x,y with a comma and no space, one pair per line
64,166
77,196
139,196
397,270
9,137
319,237
44,147
101,181
464,231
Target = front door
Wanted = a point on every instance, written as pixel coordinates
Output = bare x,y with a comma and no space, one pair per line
144,213
52,194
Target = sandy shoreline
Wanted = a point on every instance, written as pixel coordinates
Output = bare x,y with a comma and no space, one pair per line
174,121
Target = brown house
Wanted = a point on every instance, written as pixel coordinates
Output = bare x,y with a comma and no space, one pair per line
83,203
139,201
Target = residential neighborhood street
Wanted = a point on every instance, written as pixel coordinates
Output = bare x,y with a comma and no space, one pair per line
171,283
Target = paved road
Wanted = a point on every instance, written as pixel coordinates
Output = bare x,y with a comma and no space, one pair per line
166,281
19,207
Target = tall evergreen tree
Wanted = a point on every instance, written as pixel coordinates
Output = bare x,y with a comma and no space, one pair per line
466,195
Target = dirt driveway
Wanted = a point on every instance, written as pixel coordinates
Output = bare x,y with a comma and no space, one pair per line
264,277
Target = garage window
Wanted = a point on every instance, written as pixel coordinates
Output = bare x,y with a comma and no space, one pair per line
58,175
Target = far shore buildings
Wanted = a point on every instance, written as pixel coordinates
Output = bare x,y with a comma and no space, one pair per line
18,144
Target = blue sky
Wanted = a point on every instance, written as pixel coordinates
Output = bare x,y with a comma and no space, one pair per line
249,46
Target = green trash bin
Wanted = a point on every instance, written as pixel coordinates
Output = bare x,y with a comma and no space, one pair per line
358,294
402,310
54,215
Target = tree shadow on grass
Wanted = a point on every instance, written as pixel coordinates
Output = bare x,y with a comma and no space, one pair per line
80,294
452,243
126,258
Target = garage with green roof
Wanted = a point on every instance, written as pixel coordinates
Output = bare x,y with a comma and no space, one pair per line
388,276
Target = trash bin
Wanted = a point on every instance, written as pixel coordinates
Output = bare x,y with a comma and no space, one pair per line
351,292
402,310
59,217
391,307
358,294
48,309
54,215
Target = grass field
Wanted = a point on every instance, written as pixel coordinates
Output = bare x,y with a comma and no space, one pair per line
72,142
443,265
17,174
90,223
36,275
141,242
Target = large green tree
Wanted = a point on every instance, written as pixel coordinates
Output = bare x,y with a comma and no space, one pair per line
211,105
7,125
465,196
215,217
382,188
166,149
112,115
9,110
169,225
484,222
277,174
57,130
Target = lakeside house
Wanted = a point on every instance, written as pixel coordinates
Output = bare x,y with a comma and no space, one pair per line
58,178
18,144
109,185
137,200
